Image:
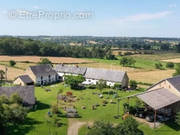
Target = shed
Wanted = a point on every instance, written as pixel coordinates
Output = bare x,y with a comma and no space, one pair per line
159,98
23,80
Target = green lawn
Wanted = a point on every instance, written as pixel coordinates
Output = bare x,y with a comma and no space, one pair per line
147,63
37,121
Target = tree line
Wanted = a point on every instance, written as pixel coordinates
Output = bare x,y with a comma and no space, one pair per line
17,46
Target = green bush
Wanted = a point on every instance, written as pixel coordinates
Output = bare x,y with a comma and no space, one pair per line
117,86
133,84
159,66
127,61
170,65
74,81
54,108
12,63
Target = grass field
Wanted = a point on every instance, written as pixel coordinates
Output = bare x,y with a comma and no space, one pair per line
37,120
37,124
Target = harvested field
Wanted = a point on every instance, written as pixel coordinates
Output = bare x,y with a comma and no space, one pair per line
36,59
19,65
12,72
177,60
150,76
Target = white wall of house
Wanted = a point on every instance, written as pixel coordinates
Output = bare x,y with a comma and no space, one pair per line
63,74
94,82
46,80
90,81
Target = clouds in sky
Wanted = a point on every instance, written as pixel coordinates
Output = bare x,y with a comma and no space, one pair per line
145,16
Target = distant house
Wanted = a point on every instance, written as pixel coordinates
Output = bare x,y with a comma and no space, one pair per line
93,75
42,74
62,70
23,80
25,92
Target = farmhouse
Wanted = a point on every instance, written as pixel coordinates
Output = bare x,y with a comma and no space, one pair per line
42,74
25,92
93,75
62,70
23,80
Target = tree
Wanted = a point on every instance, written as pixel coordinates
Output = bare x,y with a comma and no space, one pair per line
12,63
74,81
159,66
101,84
128,127
11,112
2,73
45,61
127,61
101,128
133,84
170,65
177,70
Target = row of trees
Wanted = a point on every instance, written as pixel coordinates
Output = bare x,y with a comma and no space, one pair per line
16,46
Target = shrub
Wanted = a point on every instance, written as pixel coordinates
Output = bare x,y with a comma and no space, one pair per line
170,65
54,108
126,107
127,61
92,86
101,84
74,81
12,63
133,84
117,86
159,66
45,61
56,121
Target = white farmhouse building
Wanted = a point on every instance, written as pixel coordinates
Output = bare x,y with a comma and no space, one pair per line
93,75
63,70
42,74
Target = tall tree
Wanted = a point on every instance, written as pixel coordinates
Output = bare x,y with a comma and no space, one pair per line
11,112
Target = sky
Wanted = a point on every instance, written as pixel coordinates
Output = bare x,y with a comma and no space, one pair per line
130,18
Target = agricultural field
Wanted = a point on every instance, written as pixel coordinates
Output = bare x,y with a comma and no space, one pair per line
143,67
36,59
